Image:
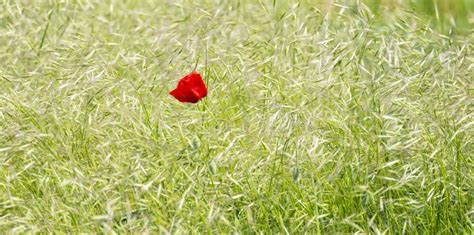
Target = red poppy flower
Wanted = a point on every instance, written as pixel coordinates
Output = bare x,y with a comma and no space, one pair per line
190,89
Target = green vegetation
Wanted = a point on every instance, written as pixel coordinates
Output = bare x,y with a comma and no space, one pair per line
444,15
315,122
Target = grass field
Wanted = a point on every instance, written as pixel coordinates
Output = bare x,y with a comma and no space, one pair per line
318,121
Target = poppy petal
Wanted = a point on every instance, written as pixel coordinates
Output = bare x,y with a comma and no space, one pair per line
191,88
198,84
176,93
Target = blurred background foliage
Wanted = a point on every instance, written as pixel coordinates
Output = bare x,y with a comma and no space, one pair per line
443,15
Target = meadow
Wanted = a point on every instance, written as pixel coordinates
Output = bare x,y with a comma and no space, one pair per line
321,118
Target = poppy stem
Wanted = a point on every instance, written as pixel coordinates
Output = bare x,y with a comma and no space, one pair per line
206,68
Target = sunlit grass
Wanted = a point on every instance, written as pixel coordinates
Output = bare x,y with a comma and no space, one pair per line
314,122
446,16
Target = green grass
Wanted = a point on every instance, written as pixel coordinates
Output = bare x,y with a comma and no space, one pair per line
446,16
314,122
